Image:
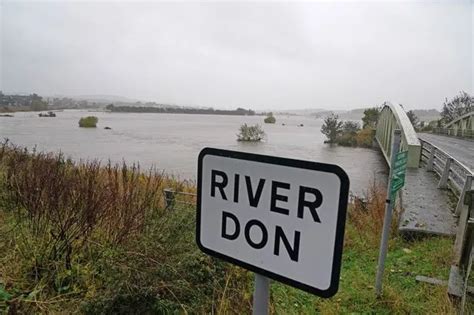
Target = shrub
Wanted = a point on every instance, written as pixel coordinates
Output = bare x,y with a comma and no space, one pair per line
65,202
88,122
270,119
347,140
365,137
250,133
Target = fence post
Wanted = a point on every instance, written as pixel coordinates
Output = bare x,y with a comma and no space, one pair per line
462,248
465,189
465,214
169,198
429,166
443,182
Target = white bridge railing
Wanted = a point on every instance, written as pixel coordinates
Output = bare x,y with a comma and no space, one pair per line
453,174
458,178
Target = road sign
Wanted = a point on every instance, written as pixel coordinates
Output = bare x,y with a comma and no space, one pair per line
278,217
399,169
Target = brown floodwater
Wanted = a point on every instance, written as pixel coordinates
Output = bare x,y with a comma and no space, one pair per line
171,142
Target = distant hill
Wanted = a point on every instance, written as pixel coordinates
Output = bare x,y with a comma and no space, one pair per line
427,115
96,98
104,98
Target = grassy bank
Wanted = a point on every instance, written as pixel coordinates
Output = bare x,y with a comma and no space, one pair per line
96,239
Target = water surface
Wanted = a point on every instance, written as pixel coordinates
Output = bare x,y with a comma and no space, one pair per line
172,141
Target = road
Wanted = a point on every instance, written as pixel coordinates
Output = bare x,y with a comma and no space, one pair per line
461,150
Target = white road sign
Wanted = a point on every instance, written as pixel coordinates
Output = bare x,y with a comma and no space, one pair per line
282,218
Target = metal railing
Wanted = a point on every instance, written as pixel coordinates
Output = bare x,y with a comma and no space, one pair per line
455,132
453,174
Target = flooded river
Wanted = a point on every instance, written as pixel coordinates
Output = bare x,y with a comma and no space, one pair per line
172,142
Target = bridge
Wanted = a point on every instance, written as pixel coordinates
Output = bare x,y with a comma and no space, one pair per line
438,195
440,165
461,127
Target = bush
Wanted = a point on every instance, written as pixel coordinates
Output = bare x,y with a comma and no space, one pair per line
349,134
347,140
365,137
250,133
270,119
65,202
88,122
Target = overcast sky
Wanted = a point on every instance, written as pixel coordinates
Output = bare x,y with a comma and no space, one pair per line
251,54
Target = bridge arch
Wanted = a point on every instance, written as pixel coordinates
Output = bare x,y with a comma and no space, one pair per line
393,116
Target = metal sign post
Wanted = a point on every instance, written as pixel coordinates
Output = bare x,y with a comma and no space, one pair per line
388,213
261,295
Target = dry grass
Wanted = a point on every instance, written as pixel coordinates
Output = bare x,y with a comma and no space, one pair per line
366,214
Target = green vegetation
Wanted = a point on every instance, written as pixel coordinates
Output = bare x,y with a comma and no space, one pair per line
167,109
88,122
32,102
347,133
250,133
85,238
406,259
270,119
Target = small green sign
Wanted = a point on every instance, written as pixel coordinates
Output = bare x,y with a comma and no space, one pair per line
398,173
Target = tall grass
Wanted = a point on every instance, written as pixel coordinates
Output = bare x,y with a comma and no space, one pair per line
66,201
82,236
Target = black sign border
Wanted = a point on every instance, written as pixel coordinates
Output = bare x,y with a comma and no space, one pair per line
340,226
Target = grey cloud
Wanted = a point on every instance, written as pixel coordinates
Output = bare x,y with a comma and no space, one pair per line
260,55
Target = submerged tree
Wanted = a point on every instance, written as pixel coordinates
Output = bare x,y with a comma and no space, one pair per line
88,122
250,133
332,127
270,119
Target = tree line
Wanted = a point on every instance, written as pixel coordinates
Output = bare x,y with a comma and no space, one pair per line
179,110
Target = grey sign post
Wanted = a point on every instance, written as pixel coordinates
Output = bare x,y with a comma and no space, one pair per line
388,213
261,295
